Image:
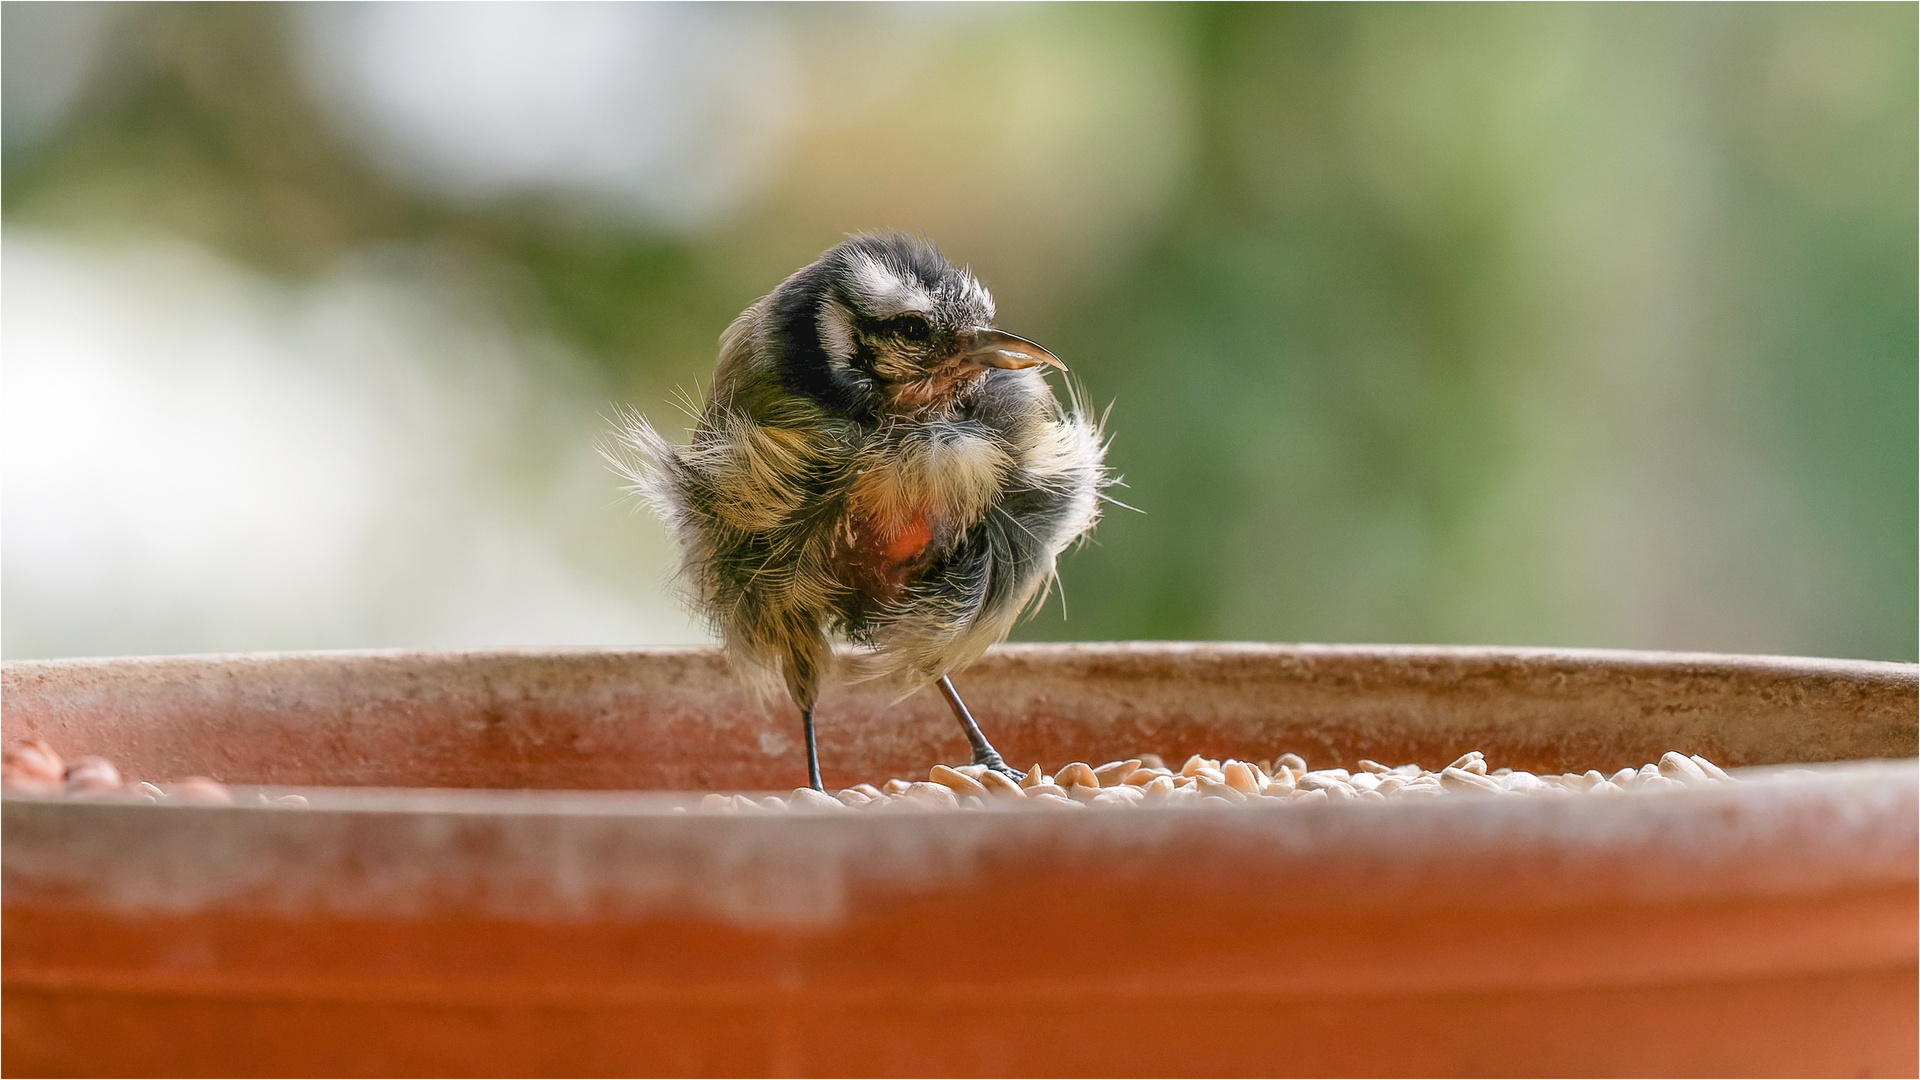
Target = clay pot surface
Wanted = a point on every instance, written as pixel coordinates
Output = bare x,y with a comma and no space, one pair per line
494,874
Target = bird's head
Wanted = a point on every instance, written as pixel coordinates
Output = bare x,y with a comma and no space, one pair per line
884,323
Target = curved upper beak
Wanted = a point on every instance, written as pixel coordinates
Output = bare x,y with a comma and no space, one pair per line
997,348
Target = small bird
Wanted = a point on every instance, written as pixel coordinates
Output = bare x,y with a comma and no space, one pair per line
874,462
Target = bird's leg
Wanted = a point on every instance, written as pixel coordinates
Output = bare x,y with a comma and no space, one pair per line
801,669
983,751
813,755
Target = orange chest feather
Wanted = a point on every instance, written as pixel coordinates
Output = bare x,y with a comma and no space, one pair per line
907,542
882,561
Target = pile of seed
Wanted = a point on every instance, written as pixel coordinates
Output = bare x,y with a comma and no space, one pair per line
32,768
1147,781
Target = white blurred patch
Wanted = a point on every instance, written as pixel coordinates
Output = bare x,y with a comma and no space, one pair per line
673,112
192,459
1041,143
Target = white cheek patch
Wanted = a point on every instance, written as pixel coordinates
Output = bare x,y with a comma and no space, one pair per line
883,292
836,331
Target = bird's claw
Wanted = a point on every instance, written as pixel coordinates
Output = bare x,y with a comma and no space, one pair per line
999,764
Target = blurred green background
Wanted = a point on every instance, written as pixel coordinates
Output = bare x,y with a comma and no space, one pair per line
1558,325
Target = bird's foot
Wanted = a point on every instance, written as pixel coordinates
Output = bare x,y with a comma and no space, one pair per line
994,761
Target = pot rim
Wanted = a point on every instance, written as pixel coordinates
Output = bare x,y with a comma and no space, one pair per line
1893,670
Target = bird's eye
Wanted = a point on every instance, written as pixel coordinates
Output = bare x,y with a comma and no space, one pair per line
910,327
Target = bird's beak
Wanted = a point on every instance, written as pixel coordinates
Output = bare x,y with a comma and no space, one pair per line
997,348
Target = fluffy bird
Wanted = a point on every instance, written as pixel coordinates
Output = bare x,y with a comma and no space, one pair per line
874,462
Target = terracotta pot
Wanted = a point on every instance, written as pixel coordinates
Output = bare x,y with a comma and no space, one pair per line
402,926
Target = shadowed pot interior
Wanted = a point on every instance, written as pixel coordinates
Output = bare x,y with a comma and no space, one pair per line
493,876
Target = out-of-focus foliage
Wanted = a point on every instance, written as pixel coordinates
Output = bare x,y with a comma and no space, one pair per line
1557,325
